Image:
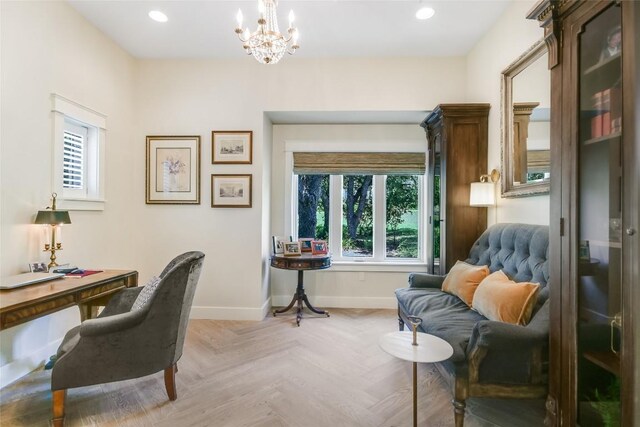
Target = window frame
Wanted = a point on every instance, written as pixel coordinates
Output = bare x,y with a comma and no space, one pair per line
66,111
379,262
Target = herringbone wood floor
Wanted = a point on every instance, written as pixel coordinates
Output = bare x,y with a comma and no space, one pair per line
328,372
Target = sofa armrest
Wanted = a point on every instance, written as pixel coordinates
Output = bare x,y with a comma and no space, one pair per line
505,337
424,280
504,353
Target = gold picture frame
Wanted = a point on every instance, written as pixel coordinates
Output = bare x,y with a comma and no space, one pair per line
231,190
173,170
232,147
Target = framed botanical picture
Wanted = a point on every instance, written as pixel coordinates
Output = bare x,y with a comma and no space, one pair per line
291,248
233,147
319,247
173,170
278,242
305,244
231,191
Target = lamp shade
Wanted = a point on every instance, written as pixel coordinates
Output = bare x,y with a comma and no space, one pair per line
482,194
53,217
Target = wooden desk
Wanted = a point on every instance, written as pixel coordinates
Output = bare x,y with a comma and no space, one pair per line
88,293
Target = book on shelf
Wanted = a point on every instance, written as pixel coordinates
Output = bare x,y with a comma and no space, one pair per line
596,119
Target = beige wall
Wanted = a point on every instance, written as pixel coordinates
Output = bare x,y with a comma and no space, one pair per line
40,41
504,43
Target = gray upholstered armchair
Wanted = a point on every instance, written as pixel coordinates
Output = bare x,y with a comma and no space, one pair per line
140,332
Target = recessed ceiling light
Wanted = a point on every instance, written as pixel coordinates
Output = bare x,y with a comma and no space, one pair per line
158,16
425,13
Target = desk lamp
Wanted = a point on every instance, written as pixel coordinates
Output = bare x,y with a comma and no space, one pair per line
53,217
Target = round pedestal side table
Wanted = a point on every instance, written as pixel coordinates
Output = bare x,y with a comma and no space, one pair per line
301,263
429,349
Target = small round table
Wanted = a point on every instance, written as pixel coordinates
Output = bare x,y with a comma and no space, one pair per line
301,263
430,349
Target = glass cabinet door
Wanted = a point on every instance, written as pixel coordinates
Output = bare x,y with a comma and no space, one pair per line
599,213
434,198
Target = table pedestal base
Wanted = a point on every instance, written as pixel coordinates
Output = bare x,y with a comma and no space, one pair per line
298,299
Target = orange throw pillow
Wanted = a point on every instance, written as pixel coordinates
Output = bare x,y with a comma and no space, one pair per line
500,298
463,279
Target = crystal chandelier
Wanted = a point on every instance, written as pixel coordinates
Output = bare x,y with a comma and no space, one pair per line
267,44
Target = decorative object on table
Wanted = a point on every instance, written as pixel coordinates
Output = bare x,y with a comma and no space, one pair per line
319,247
416,347
38,267
125,343
267,44
291,248
305,244
300,264
231,191
584,253
232,147
80,273
53,220
173,170
277,242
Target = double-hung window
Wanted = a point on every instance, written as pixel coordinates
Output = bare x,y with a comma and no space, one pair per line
79,155
368,206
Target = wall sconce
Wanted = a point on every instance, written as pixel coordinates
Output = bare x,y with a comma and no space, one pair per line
53,218
483,193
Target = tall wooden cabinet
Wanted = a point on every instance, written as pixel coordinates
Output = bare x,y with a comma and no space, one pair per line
457,141
594,55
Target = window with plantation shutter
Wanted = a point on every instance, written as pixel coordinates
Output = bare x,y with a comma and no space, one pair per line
74,152
79,153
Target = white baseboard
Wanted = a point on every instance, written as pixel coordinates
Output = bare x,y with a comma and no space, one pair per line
259,313
341,302
230,313
18,368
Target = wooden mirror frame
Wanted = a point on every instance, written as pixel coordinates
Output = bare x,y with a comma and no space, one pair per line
507,144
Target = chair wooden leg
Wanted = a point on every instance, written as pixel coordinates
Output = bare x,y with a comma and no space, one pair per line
170,381
58,407
458,412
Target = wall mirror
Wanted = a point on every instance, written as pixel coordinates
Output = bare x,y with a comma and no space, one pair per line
526,129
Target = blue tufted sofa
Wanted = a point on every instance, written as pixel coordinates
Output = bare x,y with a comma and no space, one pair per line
490,359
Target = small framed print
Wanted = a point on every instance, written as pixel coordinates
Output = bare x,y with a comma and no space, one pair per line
319,247
305,244
232,147
173,170
38,267
278,241
231,191
291,248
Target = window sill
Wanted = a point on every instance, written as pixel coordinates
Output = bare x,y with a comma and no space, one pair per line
390,267
72,204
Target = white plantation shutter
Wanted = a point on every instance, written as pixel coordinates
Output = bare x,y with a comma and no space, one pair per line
74,157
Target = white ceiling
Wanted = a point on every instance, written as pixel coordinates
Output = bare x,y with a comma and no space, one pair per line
328,28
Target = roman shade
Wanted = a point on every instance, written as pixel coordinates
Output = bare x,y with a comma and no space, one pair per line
359,163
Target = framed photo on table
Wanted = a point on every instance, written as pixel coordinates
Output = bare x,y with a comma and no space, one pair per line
292,248
231,191
319,247
305,244
173,170
232,147
278,244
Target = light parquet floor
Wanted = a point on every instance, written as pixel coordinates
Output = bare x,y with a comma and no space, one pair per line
329,372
